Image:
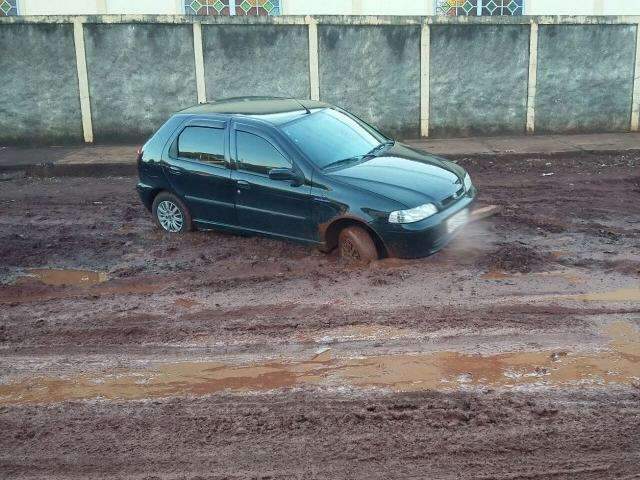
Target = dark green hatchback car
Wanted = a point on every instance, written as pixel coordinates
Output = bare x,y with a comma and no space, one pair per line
301,170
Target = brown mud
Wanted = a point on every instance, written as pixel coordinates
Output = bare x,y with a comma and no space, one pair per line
512,353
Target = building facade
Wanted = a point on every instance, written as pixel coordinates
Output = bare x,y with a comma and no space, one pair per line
320,7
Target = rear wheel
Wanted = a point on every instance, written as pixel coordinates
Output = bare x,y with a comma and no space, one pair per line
171,214
356,246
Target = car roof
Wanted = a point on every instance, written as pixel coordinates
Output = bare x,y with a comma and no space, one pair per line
274,110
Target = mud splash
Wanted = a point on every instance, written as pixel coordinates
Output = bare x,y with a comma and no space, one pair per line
619,364
60,277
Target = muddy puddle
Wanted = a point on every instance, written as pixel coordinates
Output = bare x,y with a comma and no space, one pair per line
621,295
359,332
617,364
61,277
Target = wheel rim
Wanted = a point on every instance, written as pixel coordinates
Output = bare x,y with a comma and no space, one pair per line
349,251
170,216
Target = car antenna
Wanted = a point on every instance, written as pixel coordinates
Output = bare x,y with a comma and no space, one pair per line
302,105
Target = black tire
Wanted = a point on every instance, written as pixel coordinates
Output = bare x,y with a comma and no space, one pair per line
176,213
356,246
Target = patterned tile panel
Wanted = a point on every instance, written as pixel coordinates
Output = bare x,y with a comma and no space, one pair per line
8,7
232,7
479,7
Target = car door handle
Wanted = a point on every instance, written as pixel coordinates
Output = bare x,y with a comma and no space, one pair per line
243,184
175,170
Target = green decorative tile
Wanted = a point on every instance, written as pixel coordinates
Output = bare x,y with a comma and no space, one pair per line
5,7
246,6
218,6
268,6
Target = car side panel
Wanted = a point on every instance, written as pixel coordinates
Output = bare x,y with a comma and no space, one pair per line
207,189
271,206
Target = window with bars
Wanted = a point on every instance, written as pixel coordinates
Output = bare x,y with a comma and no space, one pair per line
479,7
8,7
232,7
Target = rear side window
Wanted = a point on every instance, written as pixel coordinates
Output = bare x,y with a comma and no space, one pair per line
203,144
257,155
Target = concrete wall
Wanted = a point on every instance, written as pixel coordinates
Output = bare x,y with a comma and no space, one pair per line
373,71
100,7
261,60
479,76
585,78
322,7
139,74
442,76
358,7
40,100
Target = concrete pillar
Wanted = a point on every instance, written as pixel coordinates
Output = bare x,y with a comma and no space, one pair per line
635,102
533,78
425,54
83,81
314,68
199,62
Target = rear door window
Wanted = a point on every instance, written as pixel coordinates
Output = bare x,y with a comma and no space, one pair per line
202,144
257,155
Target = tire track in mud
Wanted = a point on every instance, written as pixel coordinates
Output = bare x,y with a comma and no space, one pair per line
520,302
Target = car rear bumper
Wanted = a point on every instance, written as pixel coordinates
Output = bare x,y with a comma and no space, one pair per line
424,238
146,193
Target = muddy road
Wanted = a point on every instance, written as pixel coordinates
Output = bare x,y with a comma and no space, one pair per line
513,353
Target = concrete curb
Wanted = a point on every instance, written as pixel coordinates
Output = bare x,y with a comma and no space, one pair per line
130,169
80,170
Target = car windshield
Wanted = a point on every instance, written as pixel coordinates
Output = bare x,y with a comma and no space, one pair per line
329,136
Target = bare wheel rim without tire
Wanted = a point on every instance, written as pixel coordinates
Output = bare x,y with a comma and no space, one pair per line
170,216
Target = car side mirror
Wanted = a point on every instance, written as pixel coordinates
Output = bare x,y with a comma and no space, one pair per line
285,174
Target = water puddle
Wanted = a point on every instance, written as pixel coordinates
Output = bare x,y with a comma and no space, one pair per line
619,364
621,295
571,278
60,277
186,303
358,332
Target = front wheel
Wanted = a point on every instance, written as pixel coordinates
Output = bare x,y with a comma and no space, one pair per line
171,214
356,246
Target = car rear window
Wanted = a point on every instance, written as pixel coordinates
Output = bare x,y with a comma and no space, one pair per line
203,144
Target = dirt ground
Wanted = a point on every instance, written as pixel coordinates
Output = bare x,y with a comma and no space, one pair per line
513,353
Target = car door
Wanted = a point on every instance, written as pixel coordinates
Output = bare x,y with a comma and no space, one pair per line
263,204
199,170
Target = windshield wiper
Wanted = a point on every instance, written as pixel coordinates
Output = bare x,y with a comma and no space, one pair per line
371,153
377,149
344,160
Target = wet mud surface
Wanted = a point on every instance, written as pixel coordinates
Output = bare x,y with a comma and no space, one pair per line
512,353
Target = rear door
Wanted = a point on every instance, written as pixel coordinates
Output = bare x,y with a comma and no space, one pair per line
199,170
280,207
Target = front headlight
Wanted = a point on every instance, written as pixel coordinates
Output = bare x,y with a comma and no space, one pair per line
467,182
414,214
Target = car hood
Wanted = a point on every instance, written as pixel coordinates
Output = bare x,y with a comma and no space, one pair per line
405,175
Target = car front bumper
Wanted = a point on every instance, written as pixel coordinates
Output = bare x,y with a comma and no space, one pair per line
423,238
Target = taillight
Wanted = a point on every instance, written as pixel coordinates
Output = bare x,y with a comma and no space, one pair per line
139,159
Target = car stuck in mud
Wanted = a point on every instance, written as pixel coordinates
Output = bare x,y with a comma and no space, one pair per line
305,171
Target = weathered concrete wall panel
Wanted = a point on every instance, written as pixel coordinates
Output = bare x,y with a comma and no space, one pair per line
40,102
269,60
138,75
585,78
479,76
373,71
